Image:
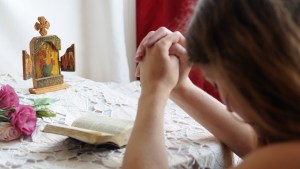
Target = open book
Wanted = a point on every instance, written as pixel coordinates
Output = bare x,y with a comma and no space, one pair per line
93,128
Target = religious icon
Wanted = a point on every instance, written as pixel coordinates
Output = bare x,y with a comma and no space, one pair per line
43,63
27,65
68,60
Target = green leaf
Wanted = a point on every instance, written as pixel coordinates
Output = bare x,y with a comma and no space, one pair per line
4,118
43,102
2,111
45,112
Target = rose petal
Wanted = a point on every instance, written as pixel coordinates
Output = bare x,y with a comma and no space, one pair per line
8,132
24,119
8,97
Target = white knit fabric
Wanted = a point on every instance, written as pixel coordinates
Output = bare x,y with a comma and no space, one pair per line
188,144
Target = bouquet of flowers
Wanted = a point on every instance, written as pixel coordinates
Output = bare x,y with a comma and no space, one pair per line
18,120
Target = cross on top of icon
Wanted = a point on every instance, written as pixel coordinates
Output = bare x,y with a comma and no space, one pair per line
42,26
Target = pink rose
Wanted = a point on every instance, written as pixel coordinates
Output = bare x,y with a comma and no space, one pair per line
8,97
24,119
8,132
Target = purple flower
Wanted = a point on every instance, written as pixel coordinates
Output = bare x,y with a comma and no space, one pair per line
24,119
8,97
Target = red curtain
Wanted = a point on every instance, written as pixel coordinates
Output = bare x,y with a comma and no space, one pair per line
174,15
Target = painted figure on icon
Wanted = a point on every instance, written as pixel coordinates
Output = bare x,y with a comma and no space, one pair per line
47,61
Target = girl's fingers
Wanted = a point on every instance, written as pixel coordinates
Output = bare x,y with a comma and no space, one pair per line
141,49
158,34
164,38
179,51
150,39
181,39
137,71
170,39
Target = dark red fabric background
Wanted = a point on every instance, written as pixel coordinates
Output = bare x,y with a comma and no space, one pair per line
174,15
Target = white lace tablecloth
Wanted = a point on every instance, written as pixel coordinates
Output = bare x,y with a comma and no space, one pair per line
188,144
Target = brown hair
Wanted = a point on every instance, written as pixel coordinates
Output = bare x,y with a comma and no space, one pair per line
256,46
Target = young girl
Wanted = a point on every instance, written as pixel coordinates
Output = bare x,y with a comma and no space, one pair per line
250,51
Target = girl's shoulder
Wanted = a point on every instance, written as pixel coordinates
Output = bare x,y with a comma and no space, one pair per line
275,156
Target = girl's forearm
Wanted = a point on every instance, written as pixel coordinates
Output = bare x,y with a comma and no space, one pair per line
146,147
213,115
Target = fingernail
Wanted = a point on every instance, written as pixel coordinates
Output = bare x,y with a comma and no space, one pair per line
139,58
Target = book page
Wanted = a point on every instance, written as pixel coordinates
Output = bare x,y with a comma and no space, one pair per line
96,122
85,135
95,129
